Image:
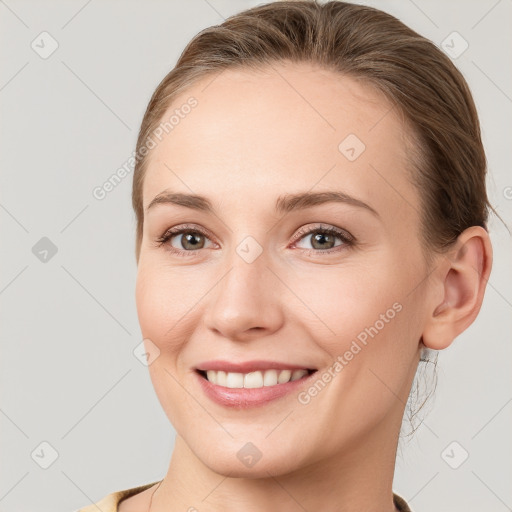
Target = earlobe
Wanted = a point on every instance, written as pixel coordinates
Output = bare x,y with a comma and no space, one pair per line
462,276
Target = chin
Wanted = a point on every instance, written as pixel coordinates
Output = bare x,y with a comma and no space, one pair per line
249,456
228,464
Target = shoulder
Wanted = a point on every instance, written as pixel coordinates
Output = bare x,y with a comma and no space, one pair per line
110,502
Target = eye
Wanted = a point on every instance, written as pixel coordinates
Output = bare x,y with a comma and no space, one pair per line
184,239
323,239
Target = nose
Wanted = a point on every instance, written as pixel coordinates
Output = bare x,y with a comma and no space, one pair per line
245,302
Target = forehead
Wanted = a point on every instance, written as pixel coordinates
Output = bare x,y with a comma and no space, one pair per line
287,128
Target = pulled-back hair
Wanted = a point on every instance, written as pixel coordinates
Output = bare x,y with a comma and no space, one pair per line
418,79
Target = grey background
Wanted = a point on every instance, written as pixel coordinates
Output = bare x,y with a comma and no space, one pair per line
69,325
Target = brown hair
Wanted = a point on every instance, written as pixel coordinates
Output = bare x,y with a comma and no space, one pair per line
376,48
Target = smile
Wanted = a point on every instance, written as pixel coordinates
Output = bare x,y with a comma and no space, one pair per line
257,388
257,379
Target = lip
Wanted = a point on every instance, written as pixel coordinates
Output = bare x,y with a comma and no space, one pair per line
249,366
244,398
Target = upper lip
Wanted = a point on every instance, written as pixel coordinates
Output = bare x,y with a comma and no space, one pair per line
249,366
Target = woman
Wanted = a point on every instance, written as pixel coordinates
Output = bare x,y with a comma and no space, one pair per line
311,218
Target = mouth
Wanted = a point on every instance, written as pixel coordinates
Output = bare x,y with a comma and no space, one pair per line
254,388
255,379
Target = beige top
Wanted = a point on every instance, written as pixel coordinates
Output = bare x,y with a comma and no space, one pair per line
110,502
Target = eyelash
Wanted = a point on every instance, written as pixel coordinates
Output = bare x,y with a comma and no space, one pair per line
347,239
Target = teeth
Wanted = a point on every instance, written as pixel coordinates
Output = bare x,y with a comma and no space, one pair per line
253,380
270,378
284,376
257,379
221,378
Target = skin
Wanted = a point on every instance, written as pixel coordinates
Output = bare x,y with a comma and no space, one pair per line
255,136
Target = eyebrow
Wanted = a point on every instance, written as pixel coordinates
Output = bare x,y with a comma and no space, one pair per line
284,204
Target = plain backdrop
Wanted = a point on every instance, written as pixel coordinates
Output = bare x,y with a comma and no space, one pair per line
75,80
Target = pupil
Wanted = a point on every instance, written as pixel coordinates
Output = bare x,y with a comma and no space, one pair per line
189,239
322,236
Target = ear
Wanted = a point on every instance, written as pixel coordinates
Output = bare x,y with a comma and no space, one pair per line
459,286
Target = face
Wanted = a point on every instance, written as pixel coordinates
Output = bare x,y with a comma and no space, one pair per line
335,286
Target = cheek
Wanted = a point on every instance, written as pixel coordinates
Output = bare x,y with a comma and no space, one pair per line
342,302
159,306
369,321
149,301
169,301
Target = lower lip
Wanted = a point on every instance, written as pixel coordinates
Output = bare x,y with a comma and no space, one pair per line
243,398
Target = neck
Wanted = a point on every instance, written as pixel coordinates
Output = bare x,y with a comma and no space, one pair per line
357,479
